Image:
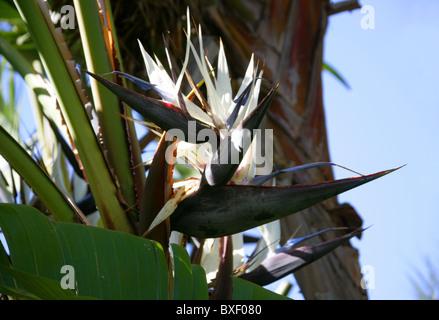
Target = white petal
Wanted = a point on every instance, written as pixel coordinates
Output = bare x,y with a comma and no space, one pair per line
196,155
252,101
223,86
210,258
238,250
186,59
258,255
247,78
212,95
271,234
159,77
247,168
197,113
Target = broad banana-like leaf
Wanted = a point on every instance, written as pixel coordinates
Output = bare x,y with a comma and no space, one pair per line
163,114
246,290
200,289
107,264
229,209
36,287
189,280
291,260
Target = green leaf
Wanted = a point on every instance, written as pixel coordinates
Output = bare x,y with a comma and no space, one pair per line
102,57
199,284
336,74
5,279
225,210
36,287
107,264
189,280
65,81
182,273
8,11
245,290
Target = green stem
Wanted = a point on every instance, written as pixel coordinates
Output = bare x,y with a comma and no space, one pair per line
56,65
107,105
136,151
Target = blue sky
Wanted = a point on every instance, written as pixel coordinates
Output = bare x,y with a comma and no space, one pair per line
388,118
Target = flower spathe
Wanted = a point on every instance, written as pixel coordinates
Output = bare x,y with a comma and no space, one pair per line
221,105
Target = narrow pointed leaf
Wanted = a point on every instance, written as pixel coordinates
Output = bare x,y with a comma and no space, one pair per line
286,262
336,74
229,209
163,114
223,165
